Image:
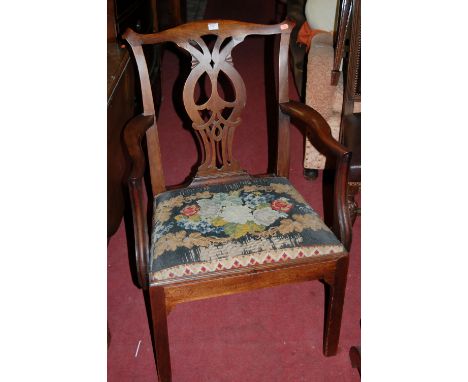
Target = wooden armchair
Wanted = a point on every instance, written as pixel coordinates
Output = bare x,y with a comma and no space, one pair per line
349,29
227,231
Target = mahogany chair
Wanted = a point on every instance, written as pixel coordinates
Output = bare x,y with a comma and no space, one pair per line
227,231
350,133
350,129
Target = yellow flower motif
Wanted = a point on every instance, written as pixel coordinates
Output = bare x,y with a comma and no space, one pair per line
254,227
218,222
240,230
235,231
194,218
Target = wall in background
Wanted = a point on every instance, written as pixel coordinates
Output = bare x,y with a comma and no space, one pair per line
321,14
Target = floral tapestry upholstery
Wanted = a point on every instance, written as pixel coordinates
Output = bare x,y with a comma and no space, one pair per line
207,229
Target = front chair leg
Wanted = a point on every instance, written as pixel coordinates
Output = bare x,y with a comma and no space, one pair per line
335,291
159,314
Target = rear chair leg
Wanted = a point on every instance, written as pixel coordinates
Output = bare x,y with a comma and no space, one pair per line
335,291
159,314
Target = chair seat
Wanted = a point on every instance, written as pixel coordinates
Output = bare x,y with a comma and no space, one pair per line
238,225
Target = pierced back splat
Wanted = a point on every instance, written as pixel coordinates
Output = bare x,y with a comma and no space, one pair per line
217,132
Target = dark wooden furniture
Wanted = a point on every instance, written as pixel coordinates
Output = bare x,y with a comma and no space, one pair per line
122,95
121,99
169,13
349,34
348,49
344,19
351,121
353,61
120,108
219,167
298,52
351,138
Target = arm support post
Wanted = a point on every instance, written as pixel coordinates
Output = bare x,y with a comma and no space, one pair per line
318,130
133,135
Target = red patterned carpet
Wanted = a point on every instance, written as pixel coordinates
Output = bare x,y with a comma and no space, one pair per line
267,335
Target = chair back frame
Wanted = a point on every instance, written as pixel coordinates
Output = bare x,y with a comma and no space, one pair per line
216,128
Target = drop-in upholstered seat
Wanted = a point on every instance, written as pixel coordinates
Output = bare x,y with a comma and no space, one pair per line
244,224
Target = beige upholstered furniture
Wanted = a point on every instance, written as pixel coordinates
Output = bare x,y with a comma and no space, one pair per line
321,95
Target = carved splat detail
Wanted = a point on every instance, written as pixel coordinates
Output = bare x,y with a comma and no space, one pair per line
216,130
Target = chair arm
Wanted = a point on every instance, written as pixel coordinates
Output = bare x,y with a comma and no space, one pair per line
133,135
316,127
319,132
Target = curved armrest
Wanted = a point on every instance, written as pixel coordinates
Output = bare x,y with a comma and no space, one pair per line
319,131
316,127
133,135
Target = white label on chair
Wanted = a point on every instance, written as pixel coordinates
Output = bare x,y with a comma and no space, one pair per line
213,26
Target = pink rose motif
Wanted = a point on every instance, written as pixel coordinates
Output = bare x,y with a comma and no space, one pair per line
190,210
281,205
